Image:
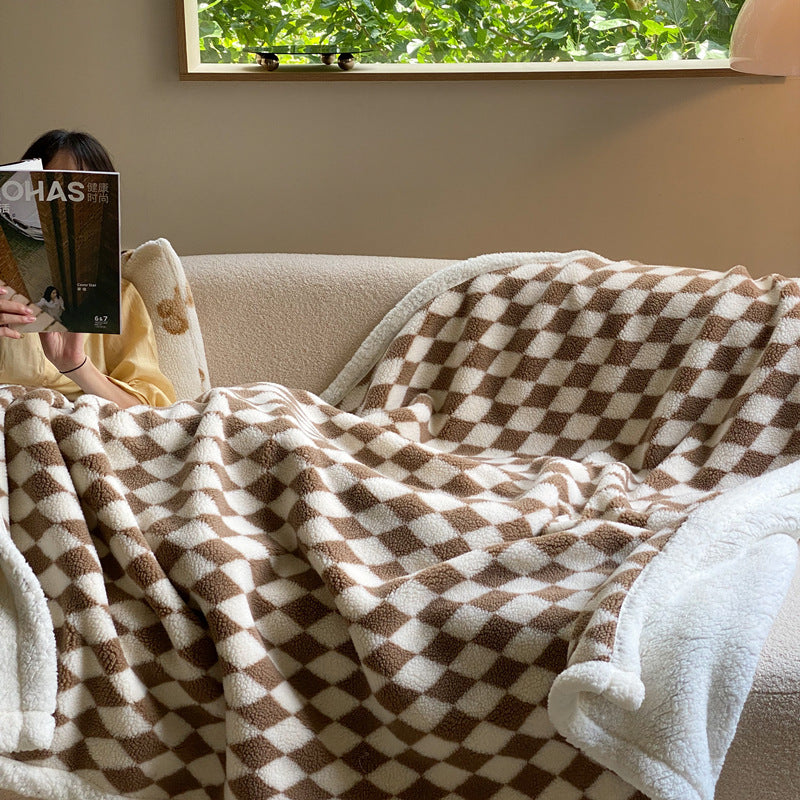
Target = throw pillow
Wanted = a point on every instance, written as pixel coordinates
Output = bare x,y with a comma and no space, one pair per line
155,269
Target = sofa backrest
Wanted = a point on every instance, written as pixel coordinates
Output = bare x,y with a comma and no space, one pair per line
293,319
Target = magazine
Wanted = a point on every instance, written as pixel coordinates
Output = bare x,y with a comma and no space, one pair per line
60,246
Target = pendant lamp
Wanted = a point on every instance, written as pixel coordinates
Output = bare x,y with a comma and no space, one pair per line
766,38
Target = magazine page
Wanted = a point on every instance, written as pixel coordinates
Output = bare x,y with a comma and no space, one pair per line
60,247
30,163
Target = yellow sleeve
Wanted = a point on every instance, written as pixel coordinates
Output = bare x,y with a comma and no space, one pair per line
131,358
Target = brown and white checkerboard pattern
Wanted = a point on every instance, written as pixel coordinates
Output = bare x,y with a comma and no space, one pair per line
258,594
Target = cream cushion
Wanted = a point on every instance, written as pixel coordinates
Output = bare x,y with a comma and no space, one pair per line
157,273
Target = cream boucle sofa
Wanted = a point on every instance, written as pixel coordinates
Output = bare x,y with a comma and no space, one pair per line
297,319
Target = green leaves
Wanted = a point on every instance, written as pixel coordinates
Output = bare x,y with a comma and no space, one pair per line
209,28
610,24
582,6
475,30
674,9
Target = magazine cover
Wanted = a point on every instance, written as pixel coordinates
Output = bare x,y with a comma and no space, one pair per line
60,246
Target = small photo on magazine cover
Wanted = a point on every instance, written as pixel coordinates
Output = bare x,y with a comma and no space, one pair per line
59,248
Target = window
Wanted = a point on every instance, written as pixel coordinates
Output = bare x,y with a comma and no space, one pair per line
470,33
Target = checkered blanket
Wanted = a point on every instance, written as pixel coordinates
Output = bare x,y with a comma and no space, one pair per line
470,570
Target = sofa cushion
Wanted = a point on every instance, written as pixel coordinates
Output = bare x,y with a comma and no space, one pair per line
290,318
157,273
763,761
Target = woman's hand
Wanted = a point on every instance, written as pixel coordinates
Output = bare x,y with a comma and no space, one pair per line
12,313
63,350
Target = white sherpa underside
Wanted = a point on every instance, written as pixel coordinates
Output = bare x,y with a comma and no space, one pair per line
663,712
28,677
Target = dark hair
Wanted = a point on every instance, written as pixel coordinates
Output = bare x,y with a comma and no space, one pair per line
85,149
48,293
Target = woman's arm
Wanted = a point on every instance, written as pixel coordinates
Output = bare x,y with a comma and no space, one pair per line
131,359
66,352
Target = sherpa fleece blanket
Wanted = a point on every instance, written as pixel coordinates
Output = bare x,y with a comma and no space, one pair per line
528,544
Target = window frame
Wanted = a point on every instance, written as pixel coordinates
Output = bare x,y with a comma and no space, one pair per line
192,69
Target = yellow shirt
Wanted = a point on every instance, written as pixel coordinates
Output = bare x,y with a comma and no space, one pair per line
129,359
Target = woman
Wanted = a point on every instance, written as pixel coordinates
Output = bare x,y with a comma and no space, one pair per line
122,368
52,302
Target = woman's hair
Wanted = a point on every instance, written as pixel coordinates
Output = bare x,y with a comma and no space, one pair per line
88,153
48,293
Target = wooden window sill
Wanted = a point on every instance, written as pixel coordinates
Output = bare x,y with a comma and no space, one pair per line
455,72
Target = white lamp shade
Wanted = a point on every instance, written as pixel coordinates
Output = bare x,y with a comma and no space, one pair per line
766,38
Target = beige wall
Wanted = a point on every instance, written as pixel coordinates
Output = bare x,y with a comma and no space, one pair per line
698,172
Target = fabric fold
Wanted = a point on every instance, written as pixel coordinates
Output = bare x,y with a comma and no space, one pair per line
28,668
663,711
